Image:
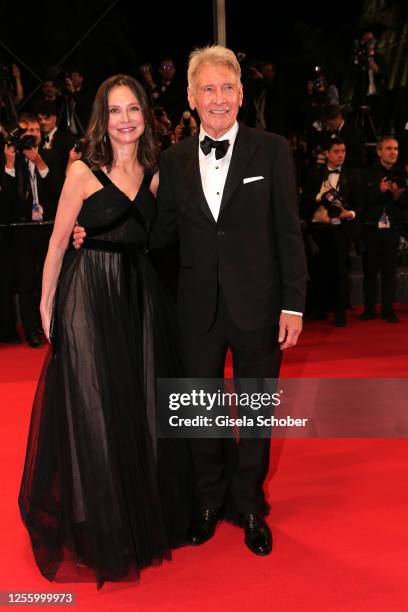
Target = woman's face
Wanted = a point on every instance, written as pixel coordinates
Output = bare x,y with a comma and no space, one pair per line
126,122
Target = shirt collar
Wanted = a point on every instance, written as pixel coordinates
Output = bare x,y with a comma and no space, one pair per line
51,134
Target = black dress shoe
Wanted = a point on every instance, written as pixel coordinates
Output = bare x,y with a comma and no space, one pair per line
368,314
258,536
389,316
203,527
340,319
34,340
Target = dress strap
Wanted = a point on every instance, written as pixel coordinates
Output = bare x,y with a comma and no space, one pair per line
102,177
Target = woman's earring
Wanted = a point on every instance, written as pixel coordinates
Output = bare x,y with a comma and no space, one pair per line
105,138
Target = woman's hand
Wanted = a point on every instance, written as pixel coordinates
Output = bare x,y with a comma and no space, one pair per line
46,313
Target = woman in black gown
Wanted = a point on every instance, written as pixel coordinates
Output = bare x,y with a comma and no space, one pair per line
100,496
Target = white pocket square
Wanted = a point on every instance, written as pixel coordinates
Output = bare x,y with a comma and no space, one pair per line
251,179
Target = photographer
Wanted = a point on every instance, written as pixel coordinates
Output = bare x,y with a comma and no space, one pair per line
166,91
186,128
319,96
77,108
55,140
263,106
163,127
369,78
29,192
330,200
384,198
11,94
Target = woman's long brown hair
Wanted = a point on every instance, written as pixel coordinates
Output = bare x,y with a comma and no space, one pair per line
97,149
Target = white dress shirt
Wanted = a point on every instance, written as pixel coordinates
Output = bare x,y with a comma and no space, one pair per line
214,171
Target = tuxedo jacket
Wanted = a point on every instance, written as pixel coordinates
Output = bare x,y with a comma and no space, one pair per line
254,253
61,145
18,195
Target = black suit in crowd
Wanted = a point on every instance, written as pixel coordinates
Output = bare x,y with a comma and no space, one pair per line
380,245
235,276
30,243
61,144
329,267
7,309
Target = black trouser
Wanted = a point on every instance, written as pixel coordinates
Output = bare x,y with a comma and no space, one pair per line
30,249
223,467
329,268
380,255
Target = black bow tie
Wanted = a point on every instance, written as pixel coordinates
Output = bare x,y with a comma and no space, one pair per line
335,171
220,146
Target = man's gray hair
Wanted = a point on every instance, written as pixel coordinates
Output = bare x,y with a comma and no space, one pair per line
215,54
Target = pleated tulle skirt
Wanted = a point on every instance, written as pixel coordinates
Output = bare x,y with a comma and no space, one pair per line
101,498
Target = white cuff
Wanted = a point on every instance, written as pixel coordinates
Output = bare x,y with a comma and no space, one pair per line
300,314
43,173
10,171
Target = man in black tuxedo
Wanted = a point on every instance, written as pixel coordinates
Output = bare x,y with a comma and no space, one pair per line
330,201
53,139
30,191
230,195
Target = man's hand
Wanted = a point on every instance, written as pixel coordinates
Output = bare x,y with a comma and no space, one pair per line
78,235
385,184
36,158
290,326
15,71
10,155
74,155
347,214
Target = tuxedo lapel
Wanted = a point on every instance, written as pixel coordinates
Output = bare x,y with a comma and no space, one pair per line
243,152
192,175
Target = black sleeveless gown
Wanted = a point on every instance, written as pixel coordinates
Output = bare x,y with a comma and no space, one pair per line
100,496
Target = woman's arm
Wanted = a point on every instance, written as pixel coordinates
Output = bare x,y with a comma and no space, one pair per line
69,205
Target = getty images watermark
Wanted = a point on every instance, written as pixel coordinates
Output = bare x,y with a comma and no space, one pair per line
295,408
211,408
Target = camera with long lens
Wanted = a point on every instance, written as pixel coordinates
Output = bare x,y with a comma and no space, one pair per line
333,203
363,54
20,142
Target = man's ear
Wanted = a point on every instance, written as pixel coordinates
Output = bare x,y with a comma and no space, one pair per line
241,96
191,99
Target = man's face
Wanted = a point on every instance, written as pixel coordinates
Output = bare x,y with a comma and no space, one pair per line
33,129
47,124
388,152
49,89
167,70
268,72
332,124
336,155
216,93
77,79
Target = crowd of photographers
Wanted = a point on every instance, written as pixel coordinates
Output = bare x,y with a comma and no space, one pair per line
352,179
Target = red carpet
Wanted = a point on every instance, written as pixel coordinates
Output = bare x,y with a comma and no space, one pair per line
339,507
